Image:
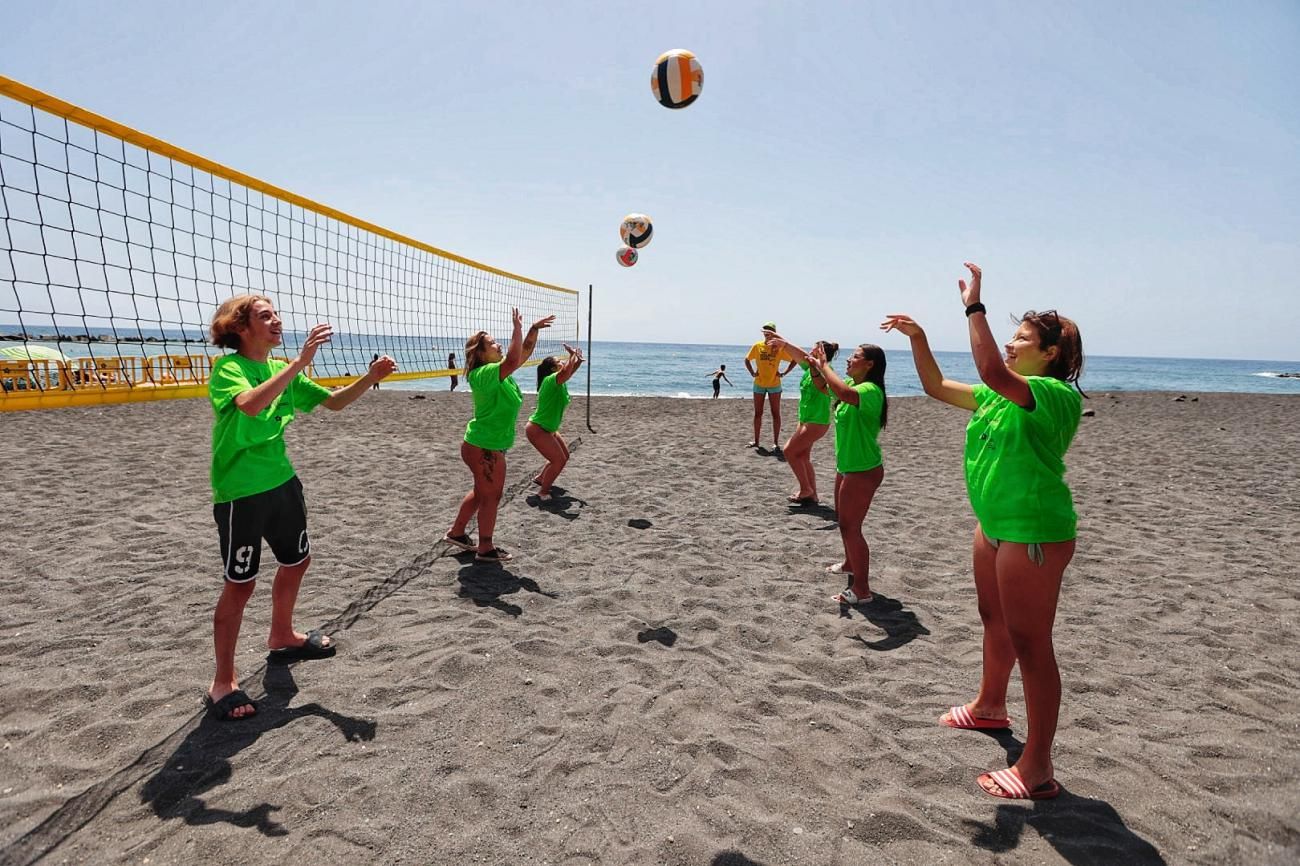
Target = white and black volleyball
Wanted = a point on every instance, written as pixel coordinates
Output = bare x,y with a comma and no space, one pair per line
636,230
677,78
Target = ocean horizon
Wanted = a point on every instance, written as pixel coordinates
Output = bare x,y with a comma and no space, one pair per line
682,370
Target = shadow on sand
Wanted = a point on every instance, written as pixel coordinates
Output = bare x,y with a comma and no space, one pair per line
1084,831
202,761
485,583
900,625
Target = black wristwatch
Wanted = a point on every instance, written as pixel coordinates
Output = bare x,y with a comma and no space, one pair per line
974,308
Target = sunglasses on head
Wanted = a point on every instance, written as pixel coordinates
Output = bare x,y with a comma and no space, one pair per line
1050,322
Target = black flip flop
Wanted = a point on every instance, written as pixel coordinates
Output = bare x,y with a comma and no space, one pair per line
224,709
495,555
312,648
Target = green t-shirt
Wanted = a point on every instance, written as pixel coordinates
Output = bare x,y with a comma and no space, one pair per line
248,454
1015,463
814,405
496,408
552,399
856,429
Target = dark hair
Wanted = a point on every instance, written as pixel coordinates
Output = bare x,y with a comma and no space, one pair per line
546,368
722,367
1056,330
876,376
830,347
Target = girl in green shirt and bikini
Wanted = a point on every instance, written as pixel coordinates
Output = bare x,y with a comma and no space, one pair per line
814,421
543,428
491,432
1025,415
859,418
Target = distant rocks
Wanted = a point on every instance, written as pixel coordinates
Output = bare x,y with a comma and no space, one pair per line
1288,375
29,337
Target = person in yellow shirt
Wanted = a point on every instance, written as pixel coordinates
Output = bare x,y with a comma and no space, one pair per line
763,363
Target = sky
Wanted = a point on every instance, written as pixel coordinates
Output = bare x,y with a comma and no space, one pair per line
1135,166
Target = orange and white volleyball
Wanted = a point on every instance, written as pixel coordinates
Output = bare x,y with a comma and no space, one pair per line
626,256
636,230
677,78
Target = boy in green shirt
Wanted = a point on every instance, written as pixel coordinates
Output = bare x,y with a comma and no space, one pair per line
255,491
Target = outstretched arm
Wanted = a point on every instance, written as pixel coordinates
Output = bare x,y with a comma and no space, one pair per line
530,341
571,364
927,368
984,348
724,375
797,356
816,360
521,347
842,390
343,397
513,358
781,344
253,401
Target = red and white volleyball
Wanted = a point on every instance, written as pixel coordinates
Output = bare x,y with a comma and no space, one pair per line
636,230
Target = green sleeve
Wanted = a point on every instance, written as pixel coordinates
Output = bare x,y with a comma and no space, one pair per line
307,394
1056,404
869,397
227,382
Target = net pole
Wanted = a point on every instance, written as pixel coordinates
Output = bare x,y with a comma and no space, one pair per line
589,356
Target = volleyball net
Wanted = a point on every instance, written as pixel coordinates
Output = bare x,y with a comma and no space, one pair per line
116,248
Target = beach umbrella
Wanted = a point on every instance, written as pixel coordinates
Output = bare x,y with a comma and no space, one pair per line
28,352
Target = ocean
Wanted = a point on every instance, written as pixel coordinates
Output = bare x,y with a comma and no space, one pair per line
678,370
682,370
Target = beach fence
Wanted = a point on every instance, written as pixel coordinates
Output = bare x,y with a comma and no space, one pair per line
116,248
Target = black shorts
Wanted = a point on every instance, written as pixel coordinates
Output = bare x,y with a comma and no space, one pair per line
717,386
278,515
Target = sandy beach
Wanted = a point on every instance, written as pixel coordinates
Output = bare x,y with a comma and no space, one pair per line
660,676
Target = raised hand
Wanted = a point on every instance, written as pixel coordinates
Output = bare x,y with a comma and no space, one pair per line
904,324
516,318
970,294
817,356
382,368
318,336
544,322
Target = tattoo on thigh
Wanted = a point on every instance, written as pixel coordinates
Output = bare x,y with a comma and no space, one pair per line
489,464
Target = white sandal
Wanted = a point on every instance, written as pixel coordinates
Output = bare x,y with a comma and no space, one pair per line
849,597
